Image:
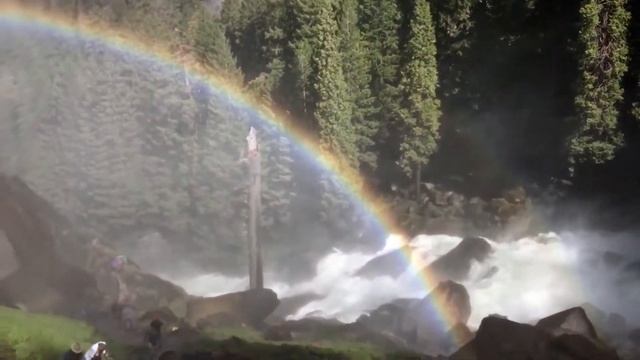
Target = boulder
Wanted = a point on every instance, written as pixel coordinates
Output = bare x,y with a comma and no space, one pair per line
163,314
576,346
502,339
456,264
392,264
290,305
571,321
27,223
634,337
387,317
250,307
221,320
616,324
421,325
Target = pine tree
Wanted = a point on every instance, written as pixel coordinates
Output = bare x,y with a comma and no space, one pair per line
603,62
332,110
419,117
211,47
380,23
356,67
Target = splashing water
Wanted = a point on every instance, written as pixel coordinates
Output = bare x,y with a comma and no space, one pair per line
524,280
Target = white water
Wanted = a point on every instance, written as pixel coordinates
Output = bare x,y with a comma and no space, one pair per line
536,277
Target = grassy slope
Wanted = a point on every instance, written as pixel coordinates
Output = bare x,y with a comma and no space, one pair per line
46,337
41,337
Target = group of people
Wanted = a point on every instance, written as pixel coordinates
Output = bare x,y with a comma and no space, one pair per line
111,271
98,351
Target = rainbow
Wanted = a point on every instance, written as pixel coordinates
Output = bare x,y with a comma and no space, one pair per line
132,44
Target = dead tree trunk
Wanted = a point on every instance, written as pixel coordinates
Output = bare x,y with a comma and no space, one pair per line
255,189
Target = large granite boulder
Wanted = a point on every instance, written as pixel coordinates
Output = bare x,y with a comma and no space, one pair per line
559,337
422,324
418,321
456,264
393,264
250,307
43,281
572,321
290,305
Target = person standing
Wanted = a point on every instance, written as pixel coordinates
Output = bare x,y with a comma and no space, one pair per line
153,337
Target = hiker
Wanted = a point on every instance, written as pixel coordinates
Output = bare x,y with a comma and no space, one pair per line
74,352
153,337
96,351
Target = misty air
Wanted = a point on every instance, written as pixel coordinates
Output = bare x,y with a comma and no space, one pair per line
319,179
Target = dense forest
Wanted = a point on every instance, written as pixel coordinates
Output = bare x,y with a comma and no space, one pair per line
479,95
494,92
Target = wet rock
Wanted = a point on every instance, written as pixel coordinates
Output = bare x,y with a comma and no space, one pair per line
420,324
501,339
634,337
572,321
290,305
392,264
616,324
580,347
387,317
27,221
596,315
251,306
163,314
220,320
458,335
456,264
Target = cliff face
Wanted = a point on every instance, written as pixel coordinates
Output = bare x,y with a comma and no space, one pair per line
40,279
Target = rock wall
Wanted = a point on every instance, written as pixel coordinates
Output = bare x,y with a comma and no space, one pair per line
42,281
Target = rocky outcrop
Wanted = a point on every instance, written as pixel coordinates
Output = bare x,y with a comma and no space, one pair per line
417,321
43,281
456,264
565,335
290,305
421,323
250,307
441,211
573,321
392,264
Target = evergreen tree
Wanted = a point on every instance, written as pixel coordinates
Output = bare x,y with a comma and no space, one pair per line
419,117
356,67
603,62
332,110
211,47
380,23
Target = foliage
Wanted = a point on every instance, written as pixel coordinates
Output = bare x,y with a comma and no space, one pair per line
43,337
602,65
419,117
210,45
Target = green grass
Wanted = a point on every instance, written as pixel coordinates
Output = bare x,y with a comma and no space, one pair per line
45,337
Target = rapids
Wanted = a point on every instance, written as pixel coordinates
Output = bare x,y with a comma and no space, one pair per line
536,276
